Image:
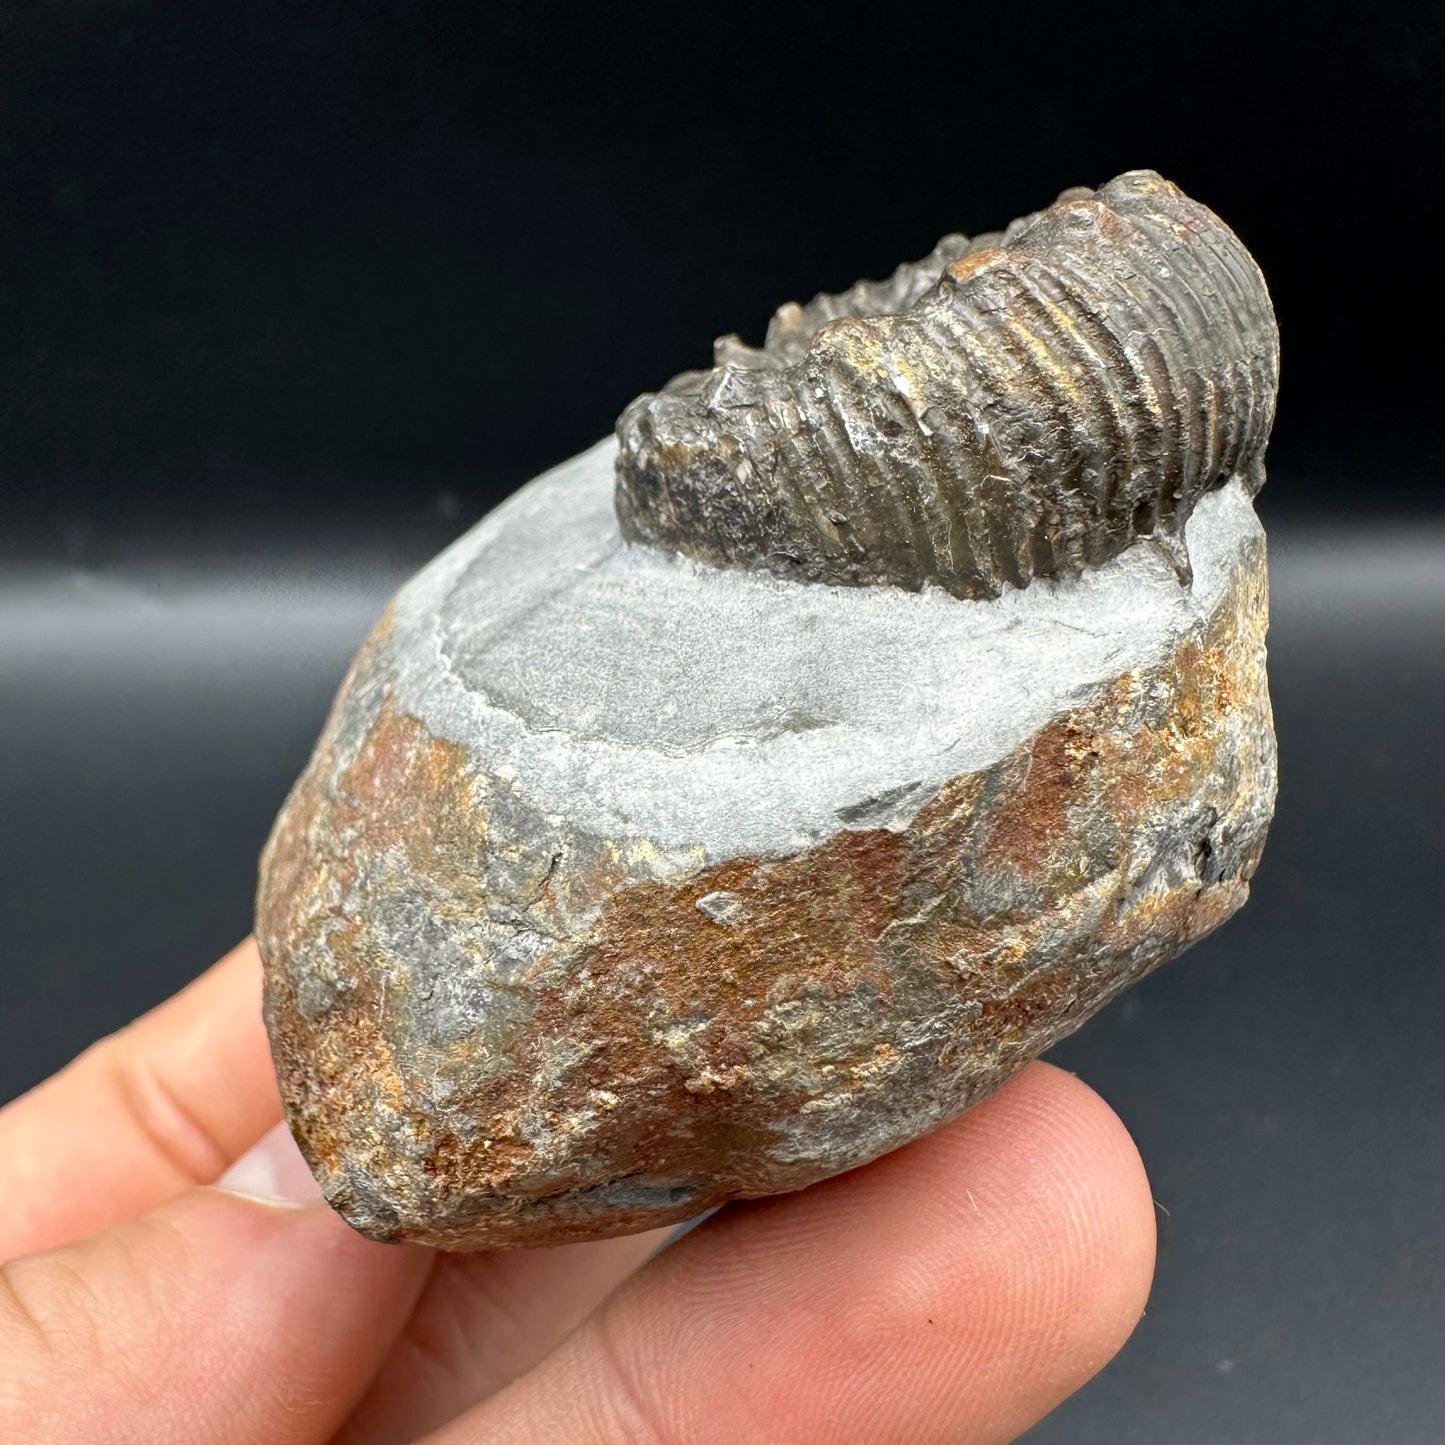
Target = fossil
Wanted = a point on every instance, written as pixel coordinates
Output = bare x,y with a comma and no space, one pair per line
1021,405
636,871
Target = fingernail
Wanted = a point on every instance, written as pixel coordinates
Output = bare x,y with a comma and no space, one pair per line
686,1227
272,1170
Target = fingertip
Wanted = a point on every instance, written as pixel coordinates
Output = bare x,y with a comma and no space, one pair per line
1082,1220
1044,1169
1062,1155
272,1169
243,1318
143,1115
955,1290
991,1268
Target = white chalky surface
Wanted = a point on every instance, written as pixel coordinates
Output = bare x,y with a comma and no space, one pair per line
722,713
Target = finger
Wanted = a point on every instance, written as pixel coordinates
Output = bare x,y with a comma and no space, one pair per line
215,1317
482,1320
954,1291
142,1116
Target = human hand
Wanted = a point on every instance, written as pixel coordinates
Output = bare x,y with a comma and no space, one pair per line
954,1291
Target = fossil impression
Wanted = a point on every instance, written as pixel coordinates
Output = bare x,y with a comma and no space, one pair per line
1015,406
756,791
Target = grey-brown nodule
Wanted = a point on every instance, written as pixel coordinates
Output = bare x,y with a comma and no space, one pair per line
754,792
1021,405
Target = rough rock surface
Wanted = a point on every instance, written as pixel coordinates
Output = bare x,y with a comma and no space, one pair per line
619,886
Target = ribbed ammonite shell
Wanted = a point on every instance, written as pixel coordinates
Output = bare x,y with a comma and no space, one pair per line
1021,405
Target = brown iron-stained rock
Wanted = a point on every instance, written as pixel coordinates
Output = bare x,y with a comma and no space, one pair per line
620,886
908,705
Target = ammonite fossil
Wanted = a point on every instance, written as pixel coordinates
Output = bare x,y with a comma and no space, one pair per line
636,871
1021,405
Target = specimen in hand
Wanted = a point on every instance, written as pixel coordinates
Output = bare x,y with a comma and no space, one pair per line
756,791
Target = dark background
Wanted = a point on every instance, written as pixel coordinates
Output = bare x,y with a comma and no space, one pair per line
291,293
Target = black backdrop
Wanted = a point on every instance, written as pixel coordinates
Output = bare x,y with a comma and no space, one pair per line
326,256
290,293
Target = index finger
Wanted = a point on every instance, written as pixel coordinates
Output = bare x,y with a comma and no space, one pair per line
164,1104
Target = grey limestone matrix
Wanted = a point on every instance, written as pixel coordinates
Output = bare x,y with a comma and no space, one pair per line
759,789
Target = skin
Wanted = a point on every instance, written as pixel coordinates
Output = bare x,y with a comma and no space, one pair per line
954,1291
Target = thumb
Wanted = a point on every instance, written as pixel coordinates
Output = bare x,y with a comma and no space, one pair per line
220,1316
